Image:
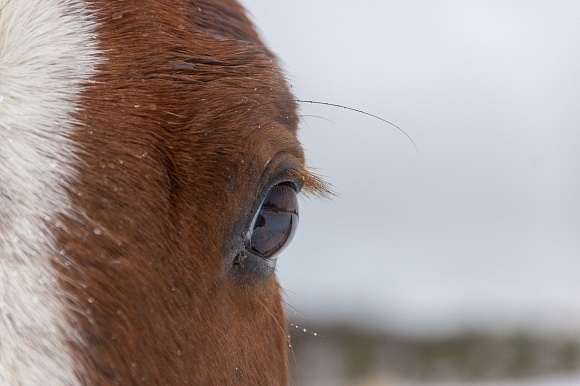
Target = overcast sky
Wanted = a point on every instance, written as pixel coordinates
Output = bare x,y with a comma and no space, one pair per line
481,226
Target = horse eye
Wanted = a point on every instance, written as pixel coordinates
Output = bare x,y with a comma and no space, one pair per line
275,222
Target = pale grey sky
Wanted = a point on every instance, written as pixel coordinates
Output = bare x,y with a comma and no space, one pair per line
481,226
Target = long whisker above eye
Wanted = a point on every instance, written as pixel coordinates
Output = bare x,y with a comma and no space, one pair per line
360,112
345,108
319,117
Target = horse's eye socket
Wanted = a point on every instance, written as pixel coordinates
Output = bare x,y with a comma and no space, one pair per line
275,222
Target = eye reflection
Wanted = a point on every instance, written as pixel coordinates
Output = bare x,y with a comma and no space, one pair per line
275,222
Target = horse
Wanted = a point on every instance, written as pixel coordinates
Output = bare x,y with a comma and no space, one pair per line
149,173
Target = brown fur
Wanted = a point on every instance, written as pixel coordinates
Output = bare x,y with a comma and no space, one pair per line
177,130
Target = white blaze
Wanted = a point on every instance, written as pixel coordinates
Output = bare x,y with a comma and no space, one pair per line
47,52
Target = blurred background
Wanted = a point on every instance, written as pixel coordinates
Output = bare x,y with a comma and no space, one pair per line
457,263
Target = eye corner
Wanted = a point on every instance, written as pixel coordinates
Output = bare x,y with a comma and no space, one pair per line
247,264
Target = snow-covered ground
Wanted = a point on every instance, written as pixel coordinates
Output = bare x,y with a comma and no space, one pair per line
555,380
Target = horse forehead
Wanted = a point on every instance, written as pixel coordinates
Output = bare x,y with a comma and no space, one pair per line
202,67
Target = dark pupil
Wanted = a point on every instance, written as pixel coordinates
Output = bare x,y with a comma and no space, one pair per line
276,221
